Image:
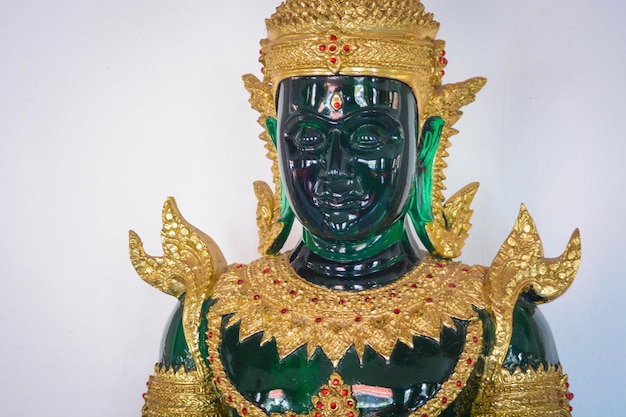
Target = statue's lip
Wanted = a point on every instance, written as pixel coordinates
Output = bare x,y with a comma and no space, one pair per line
328,200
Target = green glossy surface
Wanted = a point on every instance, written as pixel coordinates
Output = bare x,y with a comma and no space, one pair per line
348,170
175,351
532,344
407,380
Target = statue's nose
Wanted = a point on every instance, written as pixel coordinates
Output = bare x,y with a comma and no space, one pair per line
337,158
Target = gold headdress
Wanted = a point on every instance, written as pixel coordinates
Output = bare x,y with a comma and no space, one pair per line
386,38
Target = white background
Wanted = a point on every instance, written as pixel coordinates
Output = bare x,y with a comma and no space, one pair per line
107,107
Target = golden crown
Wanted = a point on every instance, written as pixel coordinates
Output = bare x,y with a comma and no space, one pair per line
386,38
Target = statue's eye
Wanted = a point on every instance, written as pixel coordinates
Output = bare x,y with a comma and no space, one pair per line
368,137
309,138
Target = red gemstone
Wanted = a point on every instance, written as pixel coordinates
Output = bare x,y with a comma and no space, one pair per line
266,271
333,38
357,319
240,281
322,48
443,53
276,281
459,383
465,269
314,299
424,415
440,265
443,73
350,414
210,334
367,299
346,48
570,396
319,405
344,392
292,292
396,311
229,399
318,319
429,275
413,285
393,294
475,339
452,285
571,408
445,61
143,395
350,403
333,405
342,302
284,310
333,60
325,391
211,359
332,48
147,383
260,51
469,361
257,296
567,385
239,266
444,400
318,414
335,382
263,70
244,411
429,300
218,380
337,105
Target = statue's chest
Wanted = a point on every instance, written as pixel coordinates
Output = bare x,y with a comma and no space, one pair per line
278,344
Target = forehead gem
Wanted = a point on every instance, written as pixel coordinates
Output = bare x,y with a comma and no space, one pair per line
336,101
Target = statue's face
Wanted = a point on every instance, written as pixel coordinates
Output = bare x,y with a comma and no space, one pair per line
347,149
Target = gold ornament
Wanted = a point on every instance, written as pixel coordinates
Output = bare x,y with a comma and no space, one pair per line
541,392
518,267
181,393
190,265
267,296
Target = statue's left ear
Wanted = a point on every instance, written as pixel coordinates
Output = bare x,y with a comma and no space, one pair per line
272,128
420,208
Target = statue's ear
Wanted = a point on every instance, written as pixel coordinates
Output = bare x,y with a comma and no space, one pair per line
271,125
420,208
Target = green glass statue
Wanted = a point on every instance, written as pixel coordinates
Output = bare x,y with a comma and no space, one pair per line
357,320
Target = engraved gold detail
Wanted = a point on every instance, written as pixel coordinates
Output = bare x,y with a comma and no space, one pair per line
520,266
267,296
524,394
181,394
334,400
374,37
451,220
447,394
190,265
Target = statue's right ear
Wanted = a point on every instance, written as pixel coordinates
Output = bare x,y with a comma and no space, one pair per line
272,125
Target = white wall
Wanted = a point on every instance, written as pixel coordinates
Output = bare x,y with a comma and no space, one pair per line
107,107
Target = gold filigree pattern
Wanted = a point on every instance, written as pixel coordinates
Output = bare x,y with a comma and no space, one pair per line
181,394
375,37
190,265
267,296
524,394
451,220
334,400
520,266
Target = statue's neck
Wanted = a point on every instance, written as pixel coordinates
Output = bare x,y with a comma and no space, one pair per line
357,265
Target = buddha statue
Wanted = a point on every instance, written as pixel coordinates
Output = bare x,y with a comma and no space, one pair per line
358,320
